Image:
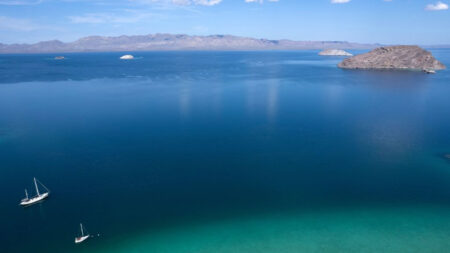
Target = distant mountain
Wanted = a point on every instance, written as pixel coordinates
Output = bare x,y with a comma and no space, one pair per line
441,46
159,42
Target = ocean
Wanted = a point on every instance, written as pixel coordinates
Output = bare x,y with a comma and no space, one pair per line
228,152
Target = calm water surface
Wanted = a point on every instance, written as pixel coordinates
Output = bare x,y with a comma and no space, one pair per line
223,152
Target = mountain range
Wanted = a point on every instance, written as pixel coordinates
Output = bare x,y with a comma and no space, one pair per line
168,42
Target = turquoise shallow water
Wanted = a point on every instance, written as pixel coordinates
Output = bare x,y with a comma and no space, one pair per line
223,152
375,229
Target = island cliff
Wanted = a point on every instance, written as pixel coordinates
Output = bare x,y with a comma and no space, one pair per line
394,57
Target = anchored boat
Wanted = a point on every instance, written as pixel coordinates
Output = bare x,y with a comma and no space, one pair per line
39,196
83,237
429,71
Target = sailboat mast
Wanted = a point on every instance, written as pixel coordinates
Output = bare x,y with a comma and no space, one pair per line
37,189
26,194
82,233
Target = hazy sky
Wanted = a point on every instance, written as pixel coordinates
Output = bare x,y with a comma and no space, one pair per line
383,21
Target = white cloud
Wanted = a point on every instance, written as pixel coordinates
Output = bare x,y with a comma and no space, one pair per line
180,2
20,2
102,18
439,6
340,1
260,1
175,2
7,23
206,2
22,25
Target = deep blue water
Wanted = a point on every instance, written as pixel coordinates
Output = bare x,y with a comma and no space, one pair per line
175,137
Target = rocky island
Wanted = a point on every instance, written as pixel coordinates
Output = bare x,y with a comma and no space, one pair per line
335,52
394,57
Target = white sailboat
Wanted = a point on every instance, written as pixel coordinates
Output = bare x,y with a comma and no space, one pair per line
83,237
39,196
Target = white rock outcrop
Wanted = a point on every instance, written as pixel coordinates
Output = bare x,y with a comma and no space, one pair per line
335,52
127,57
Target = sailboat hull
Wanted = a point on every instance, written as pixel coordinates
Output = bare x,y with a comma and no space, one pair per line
34,200
81,239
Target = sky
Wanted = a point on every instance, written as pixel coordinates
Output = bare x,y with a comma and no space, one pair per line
422,22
